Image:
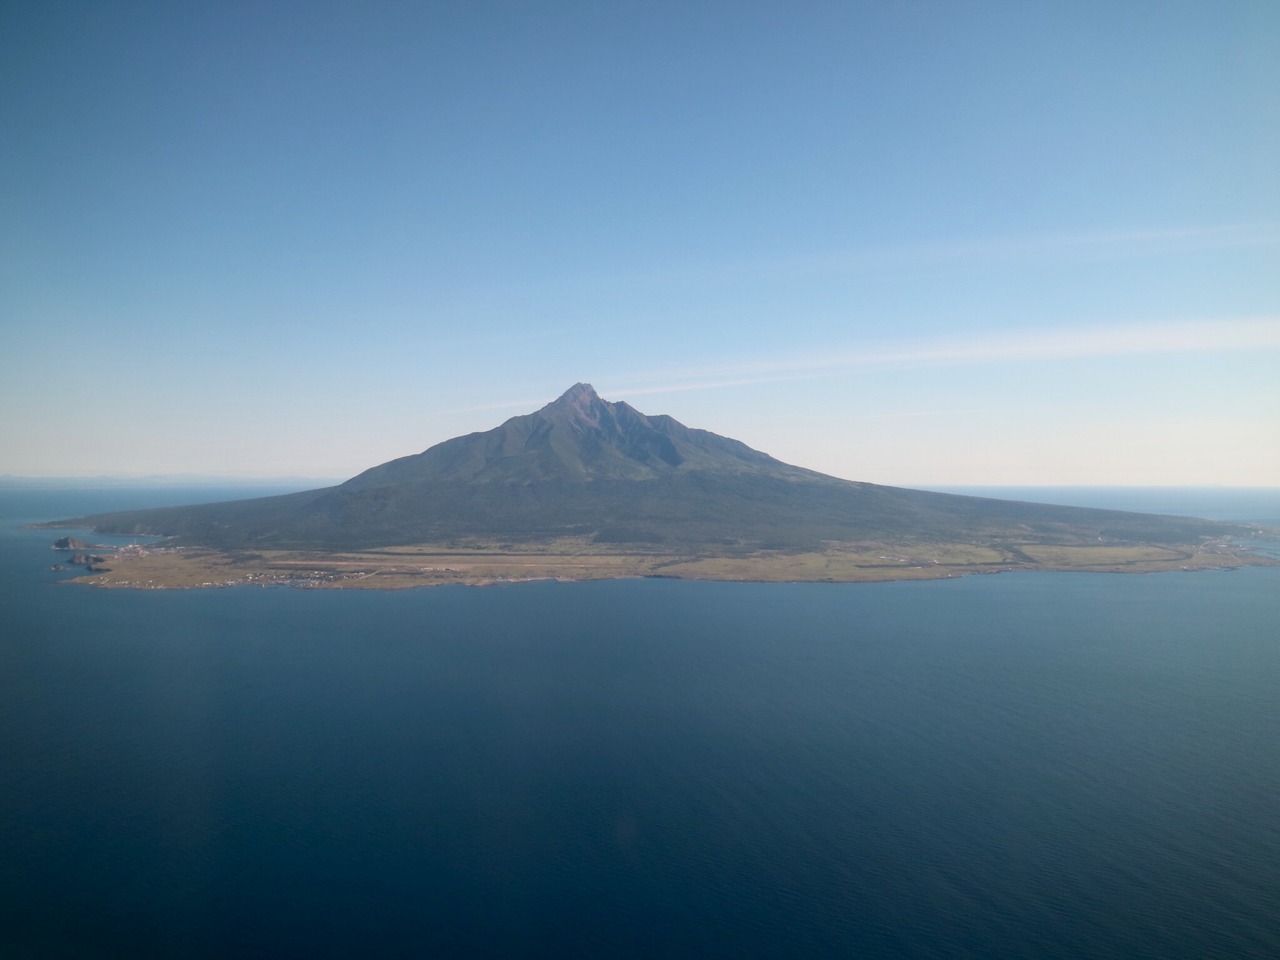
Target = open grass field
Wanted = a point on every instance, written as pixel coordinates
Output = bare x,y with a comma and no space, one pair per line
478,562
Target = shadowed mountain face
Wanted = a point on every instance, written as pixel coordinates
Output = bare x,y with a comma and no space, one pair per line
582,466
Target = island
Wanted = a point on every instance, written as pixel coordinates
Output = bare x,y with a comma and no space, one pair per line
586,488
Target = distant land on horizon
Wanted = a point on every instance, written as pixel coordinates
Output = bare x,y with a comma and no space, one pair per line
164,480
585,477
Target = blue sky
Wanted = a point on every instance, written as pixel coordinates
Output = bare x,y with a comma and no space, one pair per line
911,243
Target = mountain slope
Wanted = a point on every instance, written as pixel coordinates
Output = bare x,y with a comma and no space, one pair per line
583,466
578,438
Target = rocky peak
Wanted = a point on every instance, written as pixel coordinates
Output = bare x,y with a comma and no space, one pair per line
580,396
581,405
578,393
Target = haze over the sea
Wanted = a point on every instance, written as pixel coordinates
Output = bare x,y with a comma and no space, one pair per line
913,243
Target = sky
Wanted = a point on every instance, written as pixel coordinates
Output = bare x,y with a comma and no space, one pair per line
915,242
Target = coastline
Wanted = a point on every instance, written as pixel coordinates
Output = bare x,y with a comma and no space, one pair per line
167,567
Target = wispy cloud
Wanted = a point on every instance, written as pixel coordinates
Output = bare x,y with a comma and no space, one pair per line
1124,243
1210,336
1061,344
1129,242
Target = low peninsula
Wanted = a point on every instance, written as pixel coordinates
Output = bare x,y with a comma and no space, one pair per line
589,489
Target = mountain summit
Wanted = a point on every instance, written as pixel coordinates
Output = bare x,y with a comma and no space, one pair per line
577,438
586,467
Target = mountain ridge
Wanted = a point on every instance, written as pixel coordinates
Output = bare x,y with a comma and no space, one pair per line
584,467
576,438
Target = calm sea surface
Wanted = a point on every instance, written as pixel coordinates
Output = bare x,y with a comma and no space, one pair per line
1023,765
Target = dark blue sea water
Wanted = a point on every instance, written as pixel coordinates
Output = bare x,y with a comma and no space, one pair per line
1020,765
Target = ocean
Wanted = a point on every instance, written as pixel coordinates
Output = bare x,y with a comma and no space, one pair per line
1020,765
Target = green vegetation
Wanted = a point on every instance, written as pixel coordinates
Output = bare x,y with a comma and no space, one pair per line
477,562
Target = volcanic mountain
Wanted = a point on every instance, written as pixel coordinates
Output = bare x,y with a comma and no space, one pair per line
586,467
